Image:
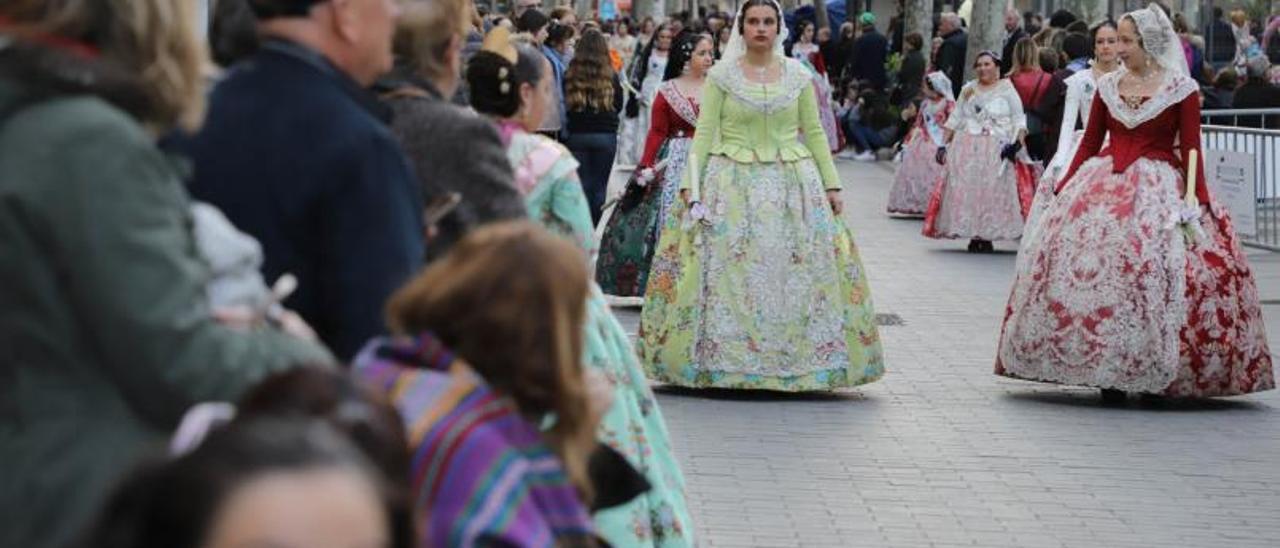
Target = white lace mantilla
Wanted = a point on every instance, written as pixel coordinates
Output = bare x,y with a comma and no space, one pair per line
684,106
1175,88
795,79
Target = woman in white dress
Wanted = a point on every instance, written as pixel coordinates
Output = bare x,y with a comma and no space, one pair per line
1081,87
647,71
977,196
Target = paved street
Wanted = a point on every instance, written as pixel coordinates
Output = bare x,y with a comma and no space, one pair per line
943,453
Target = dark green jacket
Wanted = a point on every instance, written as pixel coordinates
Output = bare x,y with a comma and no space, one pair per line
105,334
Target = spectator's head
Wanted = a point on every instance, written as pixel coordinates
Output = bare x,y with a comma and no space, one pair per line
534,23
1226,79
913,41
692,54
233,31
1180,25
366,418
949,22
987,66
560,37
1026,56
1011,19
867,21
1218,13
429,40
647,26
152,42
521,6
1075,45
622,27
846,31
715,21
1239,18
564,15
1049,60
522,333
588,82
824,35
1256,68
355,35
1104,42
1061,18
510,81
280,483
1078,27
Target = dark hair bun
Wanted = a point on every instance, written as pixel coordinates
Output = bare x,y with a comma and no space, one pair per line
491,81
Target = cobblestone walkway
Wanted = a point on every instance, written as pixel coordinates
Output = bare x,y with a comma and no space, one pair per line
943,453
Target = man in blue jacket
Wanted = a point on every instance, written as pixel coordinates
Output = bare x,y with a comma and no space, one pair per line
870,50
297,153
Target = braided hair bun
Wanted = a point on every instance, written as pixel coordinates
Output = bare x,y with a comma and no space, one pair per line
495,82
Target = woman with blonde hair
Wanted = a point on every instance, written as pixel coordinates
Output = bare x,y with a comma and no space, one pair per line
113,323
1032,84
593,100
481,359
456,154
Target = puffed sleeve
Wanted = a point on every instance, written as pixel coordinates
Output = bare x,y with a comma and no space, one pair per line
704,136
1094,131
1017,115
815,139
659,125
958,114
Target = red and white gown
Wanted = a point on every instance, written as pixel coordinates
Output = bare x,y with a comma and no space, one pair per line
1115,291
919,171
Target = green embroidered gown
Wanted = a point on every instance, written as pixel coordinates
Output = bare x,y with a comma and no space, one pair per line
768,291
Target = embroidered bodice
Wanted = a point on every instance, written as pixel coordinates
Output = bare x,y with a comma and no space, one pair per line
803,51
932,118
1164,128
675,116
752,122
994,111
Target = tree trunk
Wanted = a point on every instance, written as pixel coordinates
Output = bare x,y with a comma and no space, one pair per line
986,32
820,16
919,18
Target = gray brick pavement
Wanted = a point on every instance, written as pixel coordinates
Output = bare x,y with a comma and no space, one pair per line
943,453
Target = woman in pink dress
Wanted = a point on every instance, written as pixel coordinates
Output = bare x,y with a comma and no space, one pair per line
919,171
1134,283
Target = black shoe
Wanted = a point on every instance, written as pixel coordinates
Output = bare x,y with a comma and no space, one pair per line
1112,396
988,247
975,246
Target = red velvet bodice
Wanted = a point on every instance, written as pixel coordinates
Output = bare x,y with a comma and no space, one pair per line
665,124
1169,137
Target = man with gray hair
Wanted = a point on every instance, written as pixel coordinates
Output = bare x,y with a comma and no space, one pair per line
1013,32
955,43
1257,92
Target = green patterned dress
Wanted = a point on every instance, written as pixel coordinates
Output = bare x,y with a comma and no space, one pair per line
766,292
547,175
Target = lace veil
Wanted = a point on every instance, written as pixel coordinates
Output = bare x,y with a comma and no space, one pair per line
738,47
1159,39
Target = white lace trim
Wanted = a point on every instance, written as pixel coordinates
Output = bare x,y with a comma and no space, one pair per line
684,106
1175,88
794,80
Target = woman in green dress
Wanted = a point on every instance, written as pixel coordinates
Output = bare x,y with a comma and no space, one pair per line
757,282
513,85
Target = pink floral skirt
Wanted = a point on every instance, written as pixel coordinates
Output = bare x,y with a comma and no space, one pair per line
1113,292
977,195
916,177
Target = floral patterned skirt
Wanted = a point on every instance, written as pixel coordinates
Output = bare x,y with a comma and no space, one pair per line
767,293
977,196
634,427
917,175
626,248
1112,293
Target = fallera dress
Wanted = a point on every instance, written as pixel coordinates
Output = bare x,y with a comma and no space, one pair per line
547,175
919,171
810,56
631,235
1127,286
633,131
767,291
977,196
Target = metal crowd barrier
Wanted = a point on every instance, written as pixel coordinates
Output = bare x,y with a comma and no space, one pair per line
1255,133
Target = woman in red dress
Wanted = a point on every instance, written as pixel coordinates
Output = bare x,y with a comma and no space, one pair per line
1134,284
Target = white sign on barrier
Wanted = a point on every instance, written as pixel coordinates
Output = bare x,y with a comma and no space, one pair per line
1233,183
